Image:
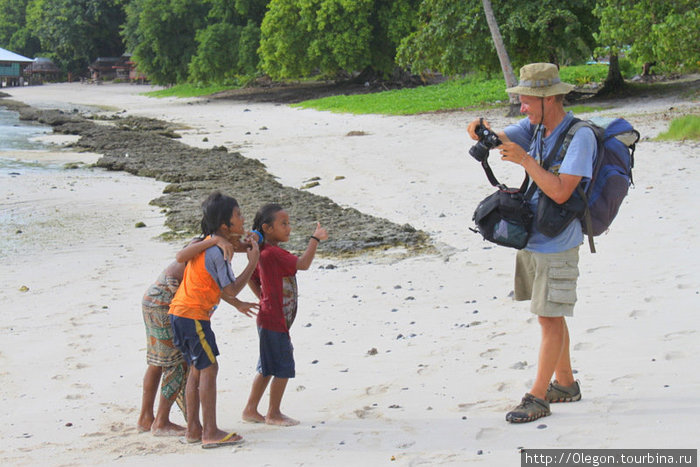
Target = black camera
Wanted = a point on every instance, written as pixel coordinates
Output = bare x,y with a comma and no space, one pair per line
487,141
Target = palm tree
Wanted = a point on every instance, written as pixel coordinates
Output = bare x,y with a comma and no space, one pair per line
508,74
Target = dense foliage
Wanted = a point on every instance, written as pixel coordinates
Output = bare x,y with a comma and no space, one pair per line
666,33
227,41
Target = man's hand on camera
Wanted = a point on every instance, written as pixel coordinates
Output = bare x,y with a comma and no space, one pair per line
471,128
512,152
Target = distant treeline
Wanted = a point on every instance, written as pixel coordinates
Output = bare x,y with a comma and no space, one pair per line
232,41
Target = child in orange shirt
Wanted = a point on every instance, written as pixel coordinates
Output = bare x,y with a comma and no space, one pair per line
207,279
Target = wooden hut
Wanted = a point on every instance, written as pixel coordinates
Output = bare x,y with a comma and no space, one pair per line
12,67
41,70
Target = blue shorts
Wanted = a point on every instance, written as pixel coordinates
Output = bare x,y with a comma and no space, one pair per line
276,354
196,341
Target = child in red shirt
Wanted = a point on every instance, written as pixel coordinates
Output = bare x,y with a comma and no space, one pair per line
274,282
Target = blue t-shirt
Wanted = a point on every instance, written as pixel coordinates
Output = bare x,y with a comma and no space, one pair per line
577,161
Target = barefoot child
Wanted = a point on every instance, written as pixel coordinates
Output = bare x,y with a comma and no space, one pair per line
208,278
274,282
165,362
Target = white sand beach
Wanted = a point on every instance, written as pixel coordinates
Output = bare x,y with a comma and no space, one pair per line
400,361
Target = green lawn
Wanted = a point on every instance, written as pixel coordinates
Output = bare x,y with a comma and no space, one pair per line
454,94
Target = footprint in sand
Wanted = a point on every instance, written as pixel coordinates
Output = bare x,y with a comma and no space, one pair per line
379,389
637,313
675,334
490,353
592,330
583,346
486,433
674,355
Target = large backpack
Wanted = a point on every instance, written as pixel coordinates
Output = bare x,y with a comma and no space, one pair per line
612,172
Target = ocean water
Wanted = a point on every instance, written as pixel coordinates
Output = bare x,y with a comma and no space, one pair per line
18,135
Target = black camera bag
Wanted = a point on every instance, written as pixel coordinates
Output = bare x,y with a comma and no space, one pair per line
504,218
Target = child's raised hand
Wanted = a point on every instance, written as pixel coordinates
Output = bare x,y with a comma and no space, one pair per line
320,232
225,246
253,252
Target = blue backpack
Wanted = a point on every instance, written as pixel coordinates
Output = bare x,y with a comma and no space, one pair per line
612,172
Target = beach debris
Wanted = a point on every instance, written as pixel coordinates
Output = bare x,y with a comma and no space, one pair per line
221,148
263,128
410,297
339,177
139,225
356,133
313,362
393,458
541,427
394,406
24,288
69,424
306,186
329,343
479,452
372,351
205,140
18,231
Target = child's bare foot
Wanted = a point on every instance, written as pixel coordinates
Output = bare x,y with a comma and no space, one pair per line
168,429
252,417
144,424
281,420
193,434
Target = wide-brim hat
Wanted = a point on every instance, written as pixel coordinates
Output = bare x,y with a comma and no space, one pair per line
540,80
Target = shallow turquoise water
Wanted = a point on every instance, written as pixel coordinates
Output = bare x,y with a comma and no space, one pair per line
17,135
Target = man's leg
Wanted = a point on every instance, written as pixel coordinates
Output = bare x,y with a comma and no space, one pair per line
563,371
552,343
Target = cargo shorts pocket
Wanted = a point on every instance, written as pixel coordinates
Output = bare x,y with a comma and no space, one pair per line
561,283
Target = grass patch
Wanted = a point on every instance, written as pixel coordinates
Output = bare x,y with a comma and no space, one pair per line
189,90
682,128
450,95
455,94
581,109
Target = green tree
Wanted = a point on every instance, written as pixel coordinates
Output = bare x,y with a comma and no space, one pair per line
227,47
161,36
333,37
14,34
75,32
666,32
453,37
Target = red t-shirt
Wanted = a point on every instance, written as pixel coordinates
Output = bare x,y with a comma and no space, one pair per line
276,276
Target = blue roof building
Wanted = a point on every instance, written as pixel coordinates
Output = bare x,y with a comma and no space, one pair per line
11,68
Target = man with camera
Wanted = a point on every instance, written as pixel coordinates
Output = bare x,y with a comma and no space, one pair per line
546,270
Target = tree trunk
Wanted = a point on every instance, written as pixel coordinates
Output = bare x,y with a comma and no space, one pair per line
508,74
614,82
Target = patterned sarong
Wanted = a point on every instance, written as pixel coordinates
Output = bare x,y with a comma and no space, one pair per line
160,349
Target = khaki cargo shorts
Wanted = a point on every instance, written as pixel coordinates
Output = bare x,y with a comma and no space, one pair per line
549,280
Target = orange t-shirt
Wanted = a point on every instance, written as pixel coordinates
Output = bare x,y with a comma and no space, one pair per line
200,292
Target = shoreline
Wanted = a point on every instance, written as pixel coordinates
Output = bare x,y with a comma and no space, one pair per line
398,362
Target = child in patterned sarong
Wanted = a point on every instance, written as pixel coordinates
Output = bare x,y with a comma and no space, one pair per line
166,364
